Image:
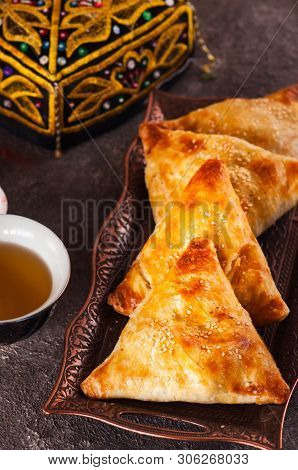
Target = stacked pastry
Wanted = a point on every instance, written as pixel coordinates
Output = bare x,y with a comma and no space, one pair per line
201,283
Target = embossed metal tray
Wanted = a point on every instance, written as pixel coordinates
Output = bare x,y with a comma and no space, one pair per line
92,334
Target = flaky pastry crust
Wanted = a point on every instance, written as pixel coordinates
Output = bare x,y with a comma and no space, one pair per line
266,183
190,341
270,122
209,208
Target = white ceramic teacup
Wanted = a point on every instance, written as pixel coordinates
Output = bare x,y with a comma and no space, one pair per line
3,202
44,243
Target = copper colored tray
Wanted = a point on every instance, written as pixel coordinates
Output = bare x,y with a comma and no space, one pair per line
92,334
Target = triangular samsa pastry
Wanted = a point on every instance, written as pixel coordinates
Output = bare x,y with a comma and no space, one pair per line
266,183
209,209
190,341
270,122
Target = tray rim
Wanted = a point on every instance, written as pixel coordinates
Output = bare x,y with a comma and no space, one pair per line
48,409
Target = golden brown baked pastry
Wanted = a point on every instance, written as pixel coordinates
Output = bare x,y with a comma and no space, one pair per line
209,209
266,183
270,122
190,341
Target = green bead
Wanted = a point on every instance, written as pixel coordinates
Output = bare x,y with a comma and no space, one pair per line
82,51
146,83
147,15
24,47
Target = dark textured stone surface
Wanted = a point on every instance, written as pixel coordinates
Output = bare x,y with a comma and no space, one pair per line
239,33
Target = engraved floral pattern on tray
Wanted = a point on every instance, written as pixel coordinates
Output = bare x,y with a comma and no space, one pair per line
94,331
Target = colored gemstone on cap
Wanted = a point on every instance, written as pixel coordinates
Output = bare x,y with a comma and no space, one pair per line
61,61
156,74
97,4
45,44
73,4
147,15
63,35
146,83
116,29
82,51
7,103
61,46
40,3
38,104
7,71
106,105
131,64
43,32
24,47
43,60
170,3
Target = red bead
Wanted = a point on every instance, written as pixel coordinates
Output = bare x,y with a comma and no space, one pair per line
43,32
38,104
97,4
15,1
63,35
